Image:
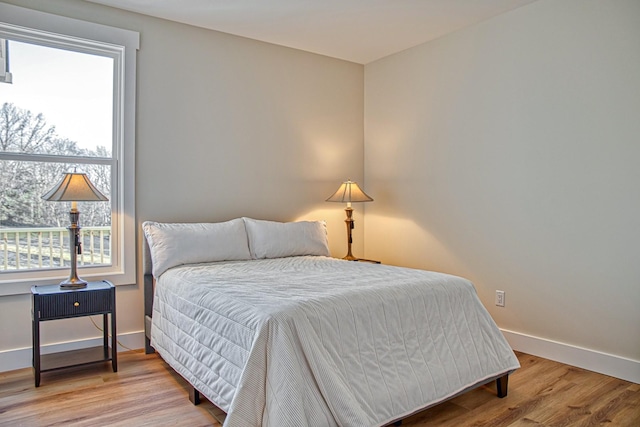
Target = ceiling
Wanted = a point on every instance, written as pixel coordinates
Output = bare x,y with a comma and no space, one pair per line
360,31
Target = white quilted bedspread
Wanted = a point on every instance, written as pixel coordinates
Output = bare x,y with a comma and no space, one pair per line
314,341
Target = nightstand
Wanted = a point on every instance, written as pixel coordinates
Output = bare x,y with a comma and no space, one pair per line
52,303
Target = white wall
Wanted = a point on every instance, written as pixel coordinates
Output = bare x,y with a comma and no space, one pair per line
508,153
226,127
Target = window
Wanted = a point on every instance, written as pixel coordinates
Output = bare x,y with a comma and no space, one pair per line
69,103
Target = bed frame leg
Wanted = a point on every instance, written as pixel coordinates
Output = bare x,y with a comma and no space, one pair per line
147,347
502,385
194,395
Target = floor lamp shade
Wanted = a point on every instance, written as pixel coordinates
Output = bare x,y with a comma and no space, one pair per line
74,187
349,192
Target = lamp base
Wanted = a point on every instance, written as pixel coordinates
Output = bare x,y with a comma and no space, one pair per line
73,284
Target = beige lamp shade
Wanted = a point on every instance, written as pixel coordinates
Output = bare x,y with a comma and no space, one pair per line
74,187
348,192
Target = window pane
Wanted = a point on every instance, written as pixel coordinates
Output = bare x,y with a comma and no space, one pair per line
64,100
33,231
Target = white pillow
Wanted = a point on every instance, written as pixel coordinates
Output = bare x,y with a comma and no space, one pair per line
270,239
176,244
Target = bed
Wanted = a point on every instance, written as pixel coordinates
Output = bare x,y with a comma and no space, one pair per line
258,318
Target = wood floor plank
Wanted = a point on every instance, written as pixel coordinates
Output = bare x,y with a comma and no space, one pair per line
579,406
147,392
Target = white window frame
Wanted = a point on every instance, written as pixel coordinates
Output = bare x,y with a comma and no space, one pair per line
26,25
5,75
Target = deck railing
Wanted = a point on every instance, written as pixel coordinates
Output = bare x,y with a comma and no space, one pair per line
47,247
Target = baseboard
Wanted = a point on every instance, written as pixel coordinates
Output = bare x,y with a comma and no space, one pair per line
21,357
603,363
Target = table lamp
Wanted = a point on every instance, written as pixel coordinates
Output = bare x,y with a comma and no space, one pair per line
74,187
349,192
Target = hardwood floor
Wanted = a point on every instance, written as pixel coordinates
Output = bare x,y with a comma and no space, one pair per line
146,392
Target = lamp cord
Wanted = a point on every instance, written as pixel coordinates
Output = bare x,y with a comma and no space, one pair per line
102,330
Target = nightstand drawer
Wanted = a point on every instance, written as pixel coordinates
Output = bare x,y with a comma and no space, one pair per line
71,304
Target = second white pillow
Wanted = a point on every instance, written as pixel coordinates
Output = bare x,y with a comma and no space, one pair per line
271,239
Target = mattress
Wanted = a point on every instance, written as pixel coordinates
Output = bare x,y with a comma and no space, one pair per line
315,341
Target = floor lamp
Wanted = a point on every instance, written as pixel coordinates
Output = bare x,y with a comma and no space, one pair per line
74,187
349,192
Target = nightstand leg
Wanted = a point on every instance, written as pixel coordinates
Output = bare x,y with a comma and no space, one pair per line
105,335
114,339
36,342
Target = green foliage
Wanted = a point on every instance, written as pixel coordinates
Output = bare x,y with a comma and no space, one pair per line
23,182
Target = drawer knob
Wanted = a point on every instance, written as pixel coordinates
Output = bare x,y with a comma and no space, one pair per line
76,304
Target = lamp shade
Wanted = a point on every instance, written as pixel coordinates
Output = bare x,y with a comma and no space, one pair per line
74,187
348,192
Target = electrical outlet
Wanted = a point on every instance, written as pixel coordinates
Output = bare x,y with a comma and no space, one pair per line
500,298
